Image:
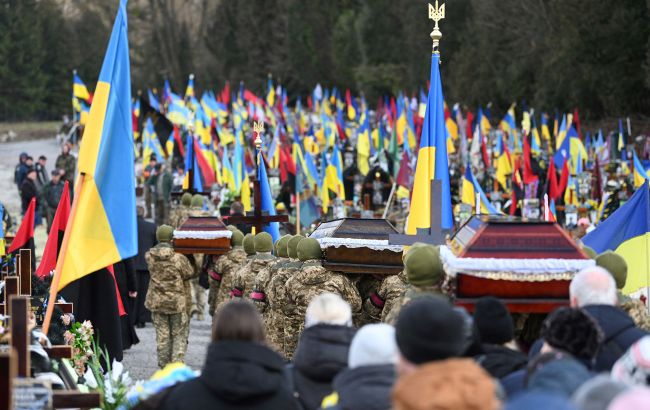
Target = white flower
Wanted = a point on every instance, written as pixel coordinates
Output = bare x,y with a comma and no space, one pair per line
116,370
91,382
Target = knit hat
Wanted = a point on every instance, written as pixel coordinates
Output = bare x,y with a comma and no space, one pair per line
423,266
197,201
616,265
309,248
186,199
292,246
634,366
249,244
589,251
429,329
373,345
597,393
635,398
573,331
495,325
237,238
561,377
164,233
537,400
263,242
281,246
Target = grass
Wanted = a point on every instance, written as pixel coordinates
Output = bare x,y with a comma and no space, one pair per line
31,130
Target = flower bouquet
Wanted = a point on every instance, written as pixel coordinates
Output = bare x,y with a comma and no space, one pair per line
80,337
113,383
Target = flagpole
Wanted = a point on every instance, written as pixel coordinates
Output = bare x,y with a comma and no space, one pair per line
56,278
297,213
390,199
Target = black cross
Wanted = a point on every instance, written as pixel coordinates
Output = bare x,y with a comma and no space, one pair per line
257,218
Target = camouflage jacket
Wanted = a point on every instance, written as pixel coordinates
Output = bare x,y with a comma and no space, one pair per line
170,272
244,279
178,215
378,305
637,311
409,293
312,280
262,282
368,286
276,292
223,271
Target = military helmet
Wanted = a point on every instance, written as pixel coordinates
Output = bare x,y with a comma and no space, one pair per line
197,201
411,248
589,251
423,266
164,233
249,244
232,228
292,246
237,238
186,199
263,242
616,265
281,246
309,248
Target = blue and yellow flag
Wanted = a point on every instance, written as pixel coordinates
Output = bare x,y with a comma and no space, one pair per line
470,189
79,89
640,175
432,160
273,228
627,232
102,228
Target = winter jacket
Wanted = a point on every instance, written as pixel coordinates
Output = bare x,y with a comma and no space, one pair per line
146,240
500,361
68,163
364,388
28,191
322,353
620,333
236,375
168,271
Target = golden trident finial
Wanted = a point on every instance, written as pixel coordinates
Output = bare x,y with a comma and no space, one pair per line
258,127
436,14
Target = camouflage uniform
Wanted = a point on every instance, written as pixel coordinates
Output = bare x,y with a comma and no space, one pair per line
245,278
197,291
165,299
410,292
221,274
260,296
637,311
367,285
276,294
179,214
312,280
378,305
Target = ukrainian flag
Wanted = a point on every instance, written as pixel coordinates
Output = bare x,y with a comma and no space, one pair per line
640,176
432,160
79,89
2,231
189,91
627,232
471,187
102,227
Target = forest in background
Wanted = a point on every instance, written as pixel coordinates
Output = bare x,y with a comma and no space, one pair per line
550,54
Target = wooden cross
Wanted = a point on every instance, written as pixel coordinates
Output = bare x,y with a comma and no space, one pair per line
433,235
257,218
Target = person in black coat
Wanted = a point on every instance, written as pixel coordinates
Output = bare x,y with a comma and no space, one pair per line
28,190
322,351
240,371
146,241
126,284
594,290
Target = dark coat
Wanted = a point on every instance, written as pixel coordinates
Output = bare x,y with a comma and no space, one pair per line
619,331
322,353
236,375
365,388
28,191
126,282
146,241
500,361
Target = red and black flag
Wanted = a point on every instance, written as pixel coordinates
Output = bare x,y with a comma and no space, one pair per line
54,239
24,238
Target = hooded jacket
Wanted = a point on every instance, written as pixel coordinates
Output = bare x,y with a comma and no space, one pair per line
619,331
365,388
322,353
236,375
500,361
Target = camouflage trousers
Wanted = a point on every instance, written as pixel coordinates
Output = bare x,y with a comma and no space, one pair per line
171,337
213,294
198,298
293,326
275,330
162,212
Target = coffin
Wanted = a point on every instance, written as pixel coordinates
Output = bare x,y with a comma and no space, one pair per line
202,234
528,264
356,245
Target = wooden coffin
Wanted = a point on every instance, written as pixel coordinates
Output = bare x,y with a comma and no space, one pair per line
202,234
356,245
528,264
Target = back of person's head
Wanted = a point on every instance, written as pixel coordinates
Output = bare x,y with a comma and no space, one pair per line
373,345
574,331
593,286
330,309
164,233
423,266
429,329
634,366
237,238
614,264
281,249
263,242
186,199
536,400
308,249
494,323
597,393
635,398
236,208
238,320
197,201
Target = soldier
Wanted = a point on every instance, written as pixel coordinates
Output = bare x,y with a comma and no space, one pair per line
223,269
261,285
425,276
263,257
160,186
277,294
197,291
368,285
237,292
165,299
67,163
179,214
312,280
617,267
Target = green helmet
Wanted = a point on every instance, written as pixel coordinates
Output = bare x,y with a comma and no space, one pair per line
292,246
411,248
309,248
589,251
197,201
249,244
616,265
164,233
263,242
423,266
237,238
232,228
186,199
281,246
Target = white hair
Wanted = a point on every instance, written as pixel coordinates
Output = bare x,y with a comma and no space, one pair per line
328,308
593,286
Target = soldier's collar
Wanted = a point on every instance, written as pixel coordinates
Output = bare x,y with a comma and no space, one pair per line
237,247
165,244
264,255
313,262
